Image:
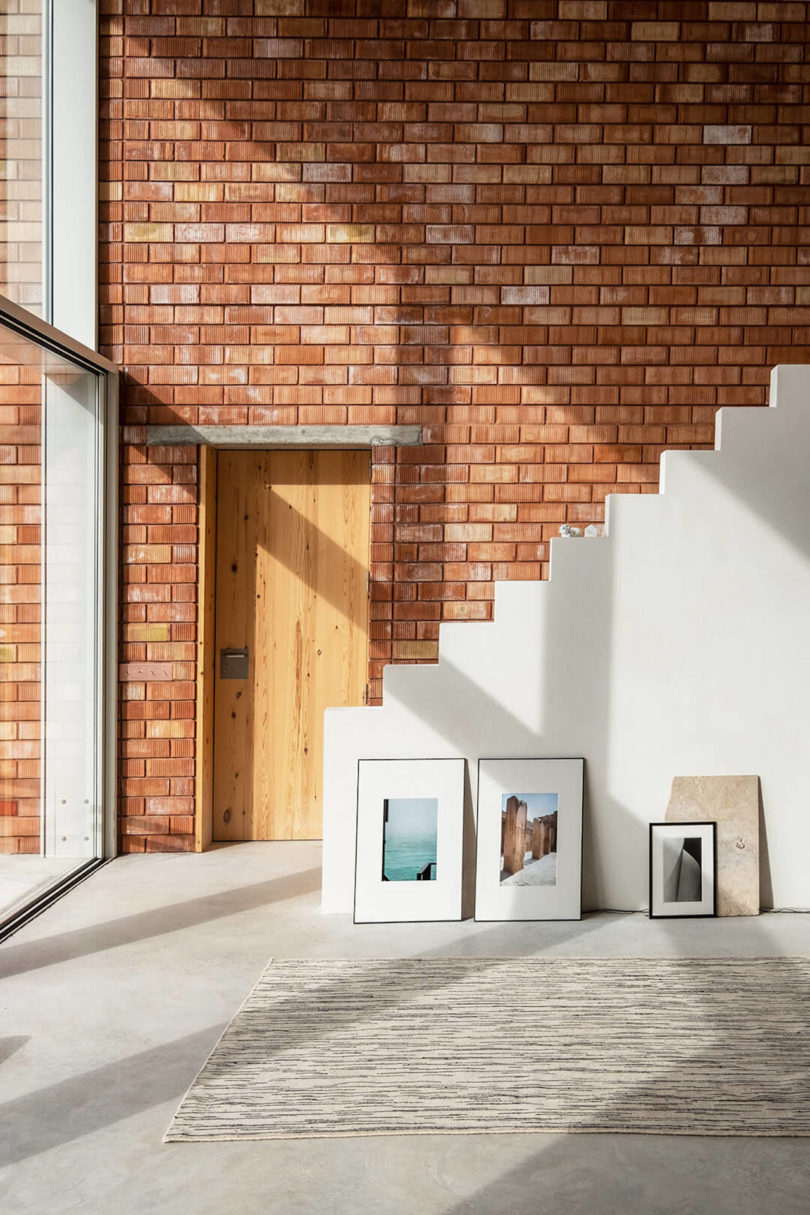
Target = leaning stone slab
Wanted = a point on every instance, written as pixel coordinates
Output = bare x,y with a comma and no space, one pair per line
733,803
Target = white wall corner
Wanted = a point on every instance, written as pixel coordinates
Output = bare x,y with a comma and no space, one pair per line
790,385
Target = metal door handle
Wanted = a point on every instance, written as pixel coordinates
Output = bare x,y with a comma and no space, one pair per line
234,664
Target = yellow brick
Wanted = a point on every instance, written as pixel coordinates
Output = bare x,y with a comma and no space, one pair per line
200,27
549,274
19,826
655,234
279,8
464,532
147,632
148,232
166,729
354,233
198,191
415,649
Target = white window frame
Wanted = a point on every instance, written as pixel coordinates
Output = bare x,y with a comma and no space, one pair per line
21,321
70,169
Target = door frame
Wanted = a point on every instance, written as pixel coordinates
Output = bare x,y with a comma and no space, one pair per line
206,620
206,649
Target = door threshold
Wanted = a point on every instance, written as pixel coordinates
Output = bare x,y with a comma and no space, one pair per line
29,911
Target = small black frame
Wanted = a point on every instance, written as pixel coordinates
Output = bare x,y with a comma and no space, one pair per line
706,906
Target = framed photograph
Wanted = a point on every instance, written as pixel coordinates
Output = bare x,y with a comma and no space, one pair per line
683,869
410,838
529,839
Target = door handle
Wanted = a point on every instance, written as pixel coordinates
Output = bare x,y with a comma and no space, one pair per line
234,664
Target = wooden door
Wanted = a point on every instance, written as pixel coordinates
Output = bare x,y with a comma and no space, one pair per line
292,588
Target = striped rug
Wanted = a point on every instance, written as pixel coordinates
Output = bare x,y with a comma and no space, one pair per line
454,1045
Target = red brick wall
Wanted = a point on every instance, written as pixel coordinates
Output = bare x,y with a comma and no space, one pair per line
21,152
558,234
20,607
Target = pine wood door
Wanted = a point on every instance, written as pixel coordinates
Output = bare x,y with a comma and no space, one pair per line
291,588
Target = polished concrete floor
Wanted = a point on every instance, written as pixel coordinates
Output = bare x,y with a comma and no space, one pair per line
111,1000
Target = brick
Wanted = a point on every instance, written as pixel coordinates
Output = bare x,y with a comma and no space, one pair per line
728,134
655,31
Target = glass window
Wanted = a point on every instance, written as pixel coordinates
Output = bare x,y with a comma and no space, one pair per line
52,622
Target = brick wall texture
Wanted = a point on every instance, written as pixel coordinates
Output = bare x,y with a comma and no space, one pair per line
558,234
20,607
21,152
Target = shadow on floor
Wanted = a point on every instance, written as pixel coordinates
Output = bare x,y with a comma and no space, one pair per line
34,955
645,1175
96,1099
10,1046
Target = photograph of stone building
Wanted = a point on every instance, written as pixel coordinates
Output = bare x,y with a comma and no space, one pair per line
529,839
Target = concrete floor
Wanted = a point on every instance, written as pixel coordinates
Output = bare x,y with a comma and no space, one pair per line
112,999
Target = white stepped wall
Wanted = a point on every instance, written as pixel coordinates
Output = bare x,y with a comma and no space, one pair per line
677,645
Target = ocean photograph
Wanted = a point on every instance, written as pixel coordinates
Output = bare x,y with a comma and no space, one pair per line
529,839
409,839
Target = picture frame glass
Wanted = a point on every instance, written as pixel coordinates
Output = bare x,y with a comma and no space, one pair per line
529,839
683,869
532,860
410,840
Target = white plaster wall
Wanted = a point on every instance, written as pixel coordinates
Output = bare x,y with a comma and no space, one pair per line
678,645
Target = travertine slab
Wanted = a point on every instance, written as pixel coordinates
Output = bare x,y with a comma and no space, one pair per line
733,803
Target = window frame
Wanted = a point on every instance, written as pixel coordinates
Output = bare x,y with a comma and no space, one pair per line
20,321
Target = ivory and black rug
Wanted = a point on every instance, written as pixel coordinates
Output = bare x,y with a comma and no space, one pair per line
453,1045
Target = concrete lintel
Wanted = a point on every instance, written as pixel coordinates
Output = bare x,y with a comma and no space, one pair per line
285,436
